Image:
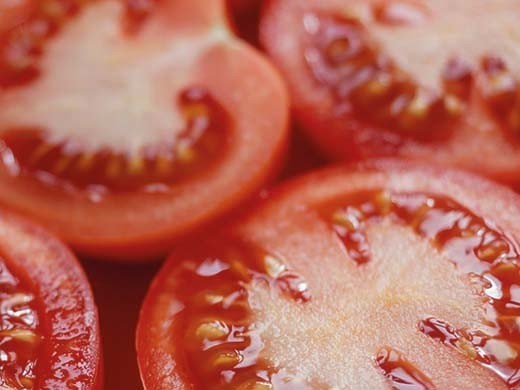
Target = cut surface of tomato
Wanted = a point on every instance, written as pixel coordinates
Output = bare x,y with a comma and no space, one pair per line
49,331
428,80
146,119
381,275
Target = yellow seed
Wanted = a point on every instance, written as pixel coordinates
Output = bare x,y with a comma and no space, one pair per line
196,110
346,220
113,168
504,267
85,161
163,164
240,270
135,164
213,330
492,251
419,215
186,154
273,266
418,107
378,86
62,164
383,201
23,335
27,383
41,151
453,105
465,346
255,385
213,299
226,360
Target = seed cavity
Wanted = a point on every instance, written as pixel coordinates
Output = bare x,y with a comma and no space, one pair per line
341,56
194,151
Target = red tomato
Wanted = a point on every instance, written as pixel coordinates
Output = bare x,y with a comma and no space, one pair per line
431,80
383,274
49,330
125,125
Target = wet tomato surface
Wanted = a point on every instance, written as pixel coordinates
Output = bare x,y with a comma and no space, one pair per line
436,81
133,115
49,331
380,275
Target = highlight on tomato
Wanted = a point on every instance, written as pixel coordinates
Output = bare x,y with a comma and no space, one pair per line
376,276
49,331
432,80
125,125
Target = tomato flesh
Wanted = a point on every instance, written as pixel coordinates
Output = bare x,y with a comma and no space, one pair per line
414,79
371,279
34,154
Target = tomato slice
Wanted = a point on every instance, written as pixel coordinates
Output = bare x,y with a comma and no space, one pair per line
126,124
419,79
385,274
49,333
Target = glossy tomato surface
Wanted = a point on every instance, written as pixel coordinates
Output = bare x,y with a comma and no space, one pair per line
49,327
436,81
381,275
125,125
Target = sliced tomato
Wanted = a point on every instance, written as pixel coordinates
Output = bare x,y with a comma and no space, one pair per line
429,80
382,275
125,124
49,333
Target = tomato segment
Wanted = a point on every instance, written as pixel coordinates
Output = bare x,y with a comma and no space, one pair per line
414,79
409,279
49,336
133,115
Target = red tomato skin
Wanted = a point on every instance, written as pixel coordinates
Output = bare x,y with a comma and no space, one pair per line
54,293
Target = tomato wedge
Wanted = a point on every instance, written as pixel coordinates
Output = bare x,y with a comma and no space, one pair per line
49,333
432,80
380,275
126,124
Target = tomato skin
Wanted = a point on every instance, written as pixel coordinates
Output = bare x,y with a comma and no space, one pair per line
139,226
351,138
67,303
161,360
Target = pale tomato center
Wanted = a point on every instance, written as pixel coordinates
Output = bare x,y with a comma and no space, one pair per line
104,90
